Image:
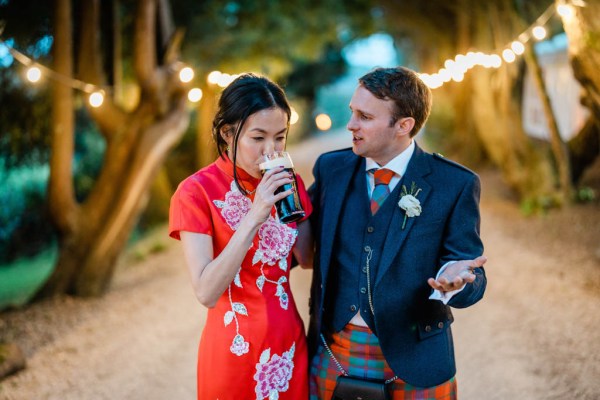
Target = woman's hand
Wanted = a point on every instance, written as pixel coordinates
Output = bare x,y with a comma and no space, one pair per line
265,197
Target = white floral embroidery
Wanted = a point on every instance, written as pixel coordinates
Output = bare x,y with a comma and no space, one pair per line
273,376
239,346
275,243
235,206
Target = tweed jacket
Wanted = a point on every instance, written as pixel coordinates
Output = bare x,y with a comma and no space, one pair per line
414,331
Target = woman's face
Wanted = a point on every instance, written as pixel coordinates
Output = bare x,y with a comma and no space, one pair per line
264,132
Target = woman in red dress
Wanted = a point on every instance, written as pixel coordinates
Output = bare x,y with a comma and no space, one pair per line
239,254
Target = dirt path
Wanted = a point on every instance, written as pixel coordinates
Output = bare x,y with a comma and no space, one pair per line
535,335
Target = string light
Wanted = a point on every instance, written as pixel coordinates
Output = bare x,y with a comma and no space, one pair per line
35,71
294,117
186,75
34,74
508,55
539,32
96,99
194,95
517,47
455,69
323,122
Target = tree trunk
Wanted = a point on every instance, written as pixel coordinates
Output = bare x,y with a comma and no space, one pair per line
583,30
96,232
559,148
584,148
205,153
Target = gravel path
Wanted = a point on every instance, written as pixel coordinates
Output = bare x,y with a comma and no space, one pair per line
535,335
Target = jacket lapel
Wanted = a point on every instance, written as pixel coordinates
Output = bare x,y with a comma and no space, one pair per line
336,185
417,169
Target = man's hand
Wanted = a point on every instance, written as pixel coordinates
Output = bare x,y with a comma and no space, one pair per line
457,275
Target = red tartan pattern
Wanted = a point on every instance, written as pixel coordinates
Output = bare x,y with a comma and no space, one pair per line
357,349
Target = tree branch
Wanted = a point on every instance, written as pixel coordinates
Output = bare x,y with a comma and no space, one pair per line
144,44
62,202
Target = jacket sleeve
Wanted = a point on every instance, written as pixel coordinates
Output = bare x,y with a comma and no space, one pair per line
463,242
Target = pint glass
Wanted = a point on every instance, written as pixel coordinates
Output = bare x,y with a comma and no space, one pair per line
289,209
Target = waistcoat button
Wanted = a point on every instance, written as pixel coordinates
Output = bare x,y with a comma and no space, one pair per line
352,307
363,290
440,325
370,229
367,249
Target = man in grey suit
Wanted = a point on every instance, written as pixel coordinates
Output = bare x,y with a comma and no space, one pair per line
397,232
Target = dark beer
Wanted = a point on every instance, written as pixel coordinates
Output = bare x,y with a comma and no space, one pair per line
289,209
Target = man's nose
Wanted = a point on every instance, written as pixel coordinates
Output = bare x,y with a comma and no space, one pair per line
352,125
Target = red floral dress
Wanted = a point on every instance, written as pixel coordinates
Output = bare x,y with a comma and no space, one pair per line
253,344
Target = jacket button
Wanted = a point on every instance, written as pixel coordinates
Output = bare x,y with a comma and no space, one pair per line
363,290
370,229
367,249
352,307
364,269
428,328
440,325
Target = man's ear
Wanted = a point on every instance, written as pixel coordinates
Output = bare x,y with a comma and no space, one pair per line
405,125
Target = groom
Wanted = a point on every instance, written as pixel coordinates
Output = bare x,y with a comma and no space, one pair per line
391,224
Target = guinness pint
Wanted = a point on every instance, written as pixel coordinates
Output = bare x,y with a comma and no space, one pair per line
289,209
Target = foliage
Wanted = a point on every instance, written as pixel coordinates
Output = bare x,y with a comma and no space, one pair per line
25,132
24,226
265,36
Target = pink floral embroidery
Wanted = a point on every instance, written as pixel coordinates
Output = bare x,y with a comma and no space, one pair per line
273,376
276,241
235,206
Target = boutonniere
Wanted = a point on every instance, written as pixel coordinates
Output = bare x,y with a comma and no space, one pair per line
409,202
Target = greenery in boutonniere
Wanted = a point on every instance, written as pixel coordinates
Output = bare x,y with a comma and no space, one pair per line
409,202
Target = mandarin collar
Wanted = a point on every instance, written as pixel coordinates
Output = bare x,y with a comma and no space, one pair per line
246,180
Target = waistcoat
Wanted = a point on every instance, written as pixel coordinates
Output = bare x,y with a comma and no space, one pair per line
359,236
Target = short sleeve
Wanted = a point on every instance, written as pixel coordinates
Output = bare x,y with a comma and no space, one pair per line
304,198
190,210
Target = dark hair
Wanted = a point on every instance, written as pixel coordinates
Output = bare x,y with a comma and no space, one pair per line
246,95
411,97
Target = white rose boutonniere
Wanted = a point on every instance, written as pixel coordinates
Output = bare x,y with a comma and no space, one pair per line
409,202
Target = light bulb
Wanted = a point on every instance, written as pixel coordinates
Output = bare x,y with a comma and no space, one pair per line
186,74
194,95
96,99
539,32
34,74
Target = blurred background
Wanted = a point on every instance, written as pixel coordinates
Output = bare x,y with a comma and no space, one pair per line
105,106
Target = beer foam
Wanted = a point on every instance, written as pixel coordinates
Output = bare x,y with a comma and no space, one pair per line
282,161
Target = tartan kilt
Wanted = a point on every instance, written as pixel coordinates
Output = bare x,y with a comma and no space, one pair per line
357,350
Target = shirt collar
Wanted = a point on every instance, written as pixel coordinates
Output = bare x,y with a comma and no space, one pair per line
397,164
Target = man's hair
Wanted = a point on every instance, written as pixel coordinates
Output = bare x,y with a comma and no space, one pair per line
411,97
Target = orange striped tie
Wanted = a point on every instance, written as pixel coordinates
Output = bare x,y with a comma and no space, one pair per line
382,176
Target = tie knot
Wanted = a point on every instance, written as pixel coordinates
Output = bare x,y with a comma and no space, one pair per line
383,176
